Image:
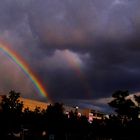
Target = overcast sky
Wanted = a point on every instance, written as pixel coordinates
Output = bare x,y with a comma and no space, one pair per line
81,50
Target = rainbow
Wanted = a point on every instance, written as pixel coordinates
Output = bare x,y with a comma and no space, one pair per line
23,65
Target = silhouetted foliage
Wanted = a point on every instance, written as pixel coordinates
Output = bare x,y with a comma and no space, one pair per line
137,99
126,122
11,103
53,122
124,106
11,113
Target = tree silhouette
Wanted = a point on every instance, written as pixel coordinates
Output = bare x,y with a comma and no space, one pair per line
11,112
137,99
124,106
52,121
11,103
56,120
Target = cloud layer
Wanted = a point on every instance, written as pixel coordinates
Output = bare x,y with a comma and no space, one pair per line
79,49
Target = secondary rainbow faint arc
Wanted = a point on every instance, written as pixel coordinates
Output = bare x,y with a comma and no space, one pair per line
22,64
76,67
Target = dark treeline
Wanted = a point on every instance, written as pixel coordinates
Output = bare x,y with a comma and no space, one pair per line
17,123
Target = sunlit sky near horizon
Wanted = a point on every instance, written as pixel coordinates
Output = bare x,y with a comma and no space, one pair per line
81,50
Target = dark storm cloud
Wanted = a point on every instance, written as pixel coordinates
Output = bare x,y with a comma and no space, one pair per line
83,22
79,49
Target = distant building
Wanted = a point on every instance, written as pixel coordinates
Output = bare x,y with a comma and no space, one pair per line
89,113
98,115
80,111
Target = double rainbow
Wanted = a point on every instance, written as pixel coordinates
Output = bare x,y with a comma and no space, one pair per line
25,68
